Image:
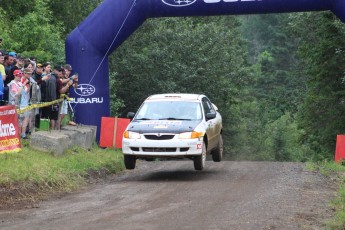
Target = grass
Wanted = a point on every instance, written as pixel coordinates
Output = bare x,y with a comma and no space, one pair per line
338,169
65,173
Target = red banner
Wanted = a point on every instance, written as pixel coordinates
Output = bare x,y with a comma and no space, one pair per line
9,131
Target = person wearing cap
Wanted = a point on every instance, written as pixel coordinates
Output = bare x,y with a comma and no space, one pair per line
15,89
12,54
24,102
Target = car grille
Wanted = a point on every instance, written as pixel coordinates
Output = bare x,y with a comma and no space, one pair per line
158,138
159,149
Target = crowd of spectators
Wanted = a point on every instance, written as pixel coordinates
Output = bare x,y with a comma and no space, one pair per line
26,82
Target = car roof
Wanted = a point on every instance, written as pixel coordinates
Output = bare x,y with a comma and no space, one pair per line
175,96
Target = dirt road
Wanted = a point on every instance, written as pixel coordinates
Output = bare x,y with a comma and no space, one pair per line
171,195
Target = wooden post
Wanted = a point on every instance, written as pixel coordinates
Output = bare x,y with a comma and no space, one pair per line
115,130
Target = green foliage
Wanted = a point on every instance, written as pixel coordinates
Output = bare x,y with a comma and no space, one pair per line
161,58
282,140
33,35
72,12
116,103
322,50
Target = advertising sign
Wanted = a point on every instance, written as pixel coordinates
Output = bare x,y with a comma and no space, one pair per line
9,131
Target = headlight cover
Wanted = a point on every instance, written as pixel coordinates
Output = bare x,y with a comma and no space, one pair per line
190,135
131,135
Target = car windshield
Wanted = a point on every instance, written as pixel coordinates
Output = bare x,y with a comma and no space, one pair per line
169,110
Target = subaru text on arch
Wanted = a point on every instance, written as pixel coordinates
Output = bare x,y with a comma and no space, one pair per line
174,126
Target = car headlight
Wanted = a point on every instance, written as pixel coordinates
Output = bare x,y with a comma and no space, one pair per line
131,135
190,135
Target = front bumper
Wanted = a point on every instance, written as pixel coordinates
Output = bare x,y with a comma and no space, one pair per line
162,148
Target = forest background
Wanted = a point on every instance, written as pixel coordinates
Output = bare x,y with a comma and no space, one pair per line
277,79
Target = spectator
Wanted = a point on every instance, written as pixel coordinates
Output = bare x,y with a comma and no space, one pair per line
33,61
36,78
63,86
24,102
3,78
29,64
12,54
50,92
68,71
8,64
18,64
38,74
47,68
2,67
15,89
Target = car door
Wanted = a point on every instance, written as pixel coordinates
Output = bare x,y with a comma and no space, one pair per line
211,124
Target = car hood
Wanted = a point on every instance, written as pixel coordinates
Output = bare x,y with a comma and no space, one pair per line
163,126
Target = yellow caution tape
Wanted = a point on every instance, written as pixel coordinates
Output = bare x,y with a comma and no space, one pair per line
43,104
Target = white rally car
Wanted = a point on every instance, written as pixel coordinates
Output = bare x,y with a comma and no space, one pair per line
174,126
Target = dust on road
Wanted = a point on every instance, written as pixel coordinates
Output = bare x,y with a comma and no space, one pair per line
171,195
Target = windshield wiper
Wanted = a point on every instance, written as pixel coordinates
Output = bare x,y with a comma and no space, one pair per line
144,118
174,118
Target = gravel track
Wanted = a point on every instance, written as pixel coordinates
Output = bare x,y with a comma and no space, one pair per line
171,195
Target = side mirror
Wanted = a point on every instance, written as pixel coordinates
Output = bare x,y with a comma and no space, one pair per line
215,107
130,115
210,116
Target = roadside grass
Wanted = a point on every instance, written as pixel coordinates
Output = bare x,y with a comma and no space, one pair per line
45,172
331,169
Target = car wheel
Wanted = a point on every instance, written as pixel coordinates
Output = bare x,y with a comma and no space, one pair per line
199,161
217,154
129,161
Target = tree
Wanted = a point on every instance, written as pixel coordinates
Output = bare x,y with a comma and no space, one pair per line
322,115
33,34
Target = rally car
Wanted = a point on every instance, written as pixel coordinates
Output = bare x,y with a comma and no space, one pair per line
174,126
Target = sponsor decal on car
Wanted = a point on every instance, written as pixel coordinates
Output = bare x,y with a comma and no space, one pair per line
163,122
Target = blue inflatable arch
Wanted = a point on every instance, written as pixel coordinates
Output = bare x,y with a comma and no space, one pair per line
113,21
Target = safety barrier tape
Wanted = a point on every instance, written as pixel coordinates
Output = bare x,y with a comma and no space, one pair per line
43,104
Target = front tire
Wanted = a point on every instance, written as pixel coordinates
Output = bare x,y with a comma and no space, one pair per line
129,161
199,161
217,154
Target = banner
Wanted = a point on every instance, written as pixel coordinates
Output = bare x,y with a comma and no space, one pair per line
9,131
112,129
